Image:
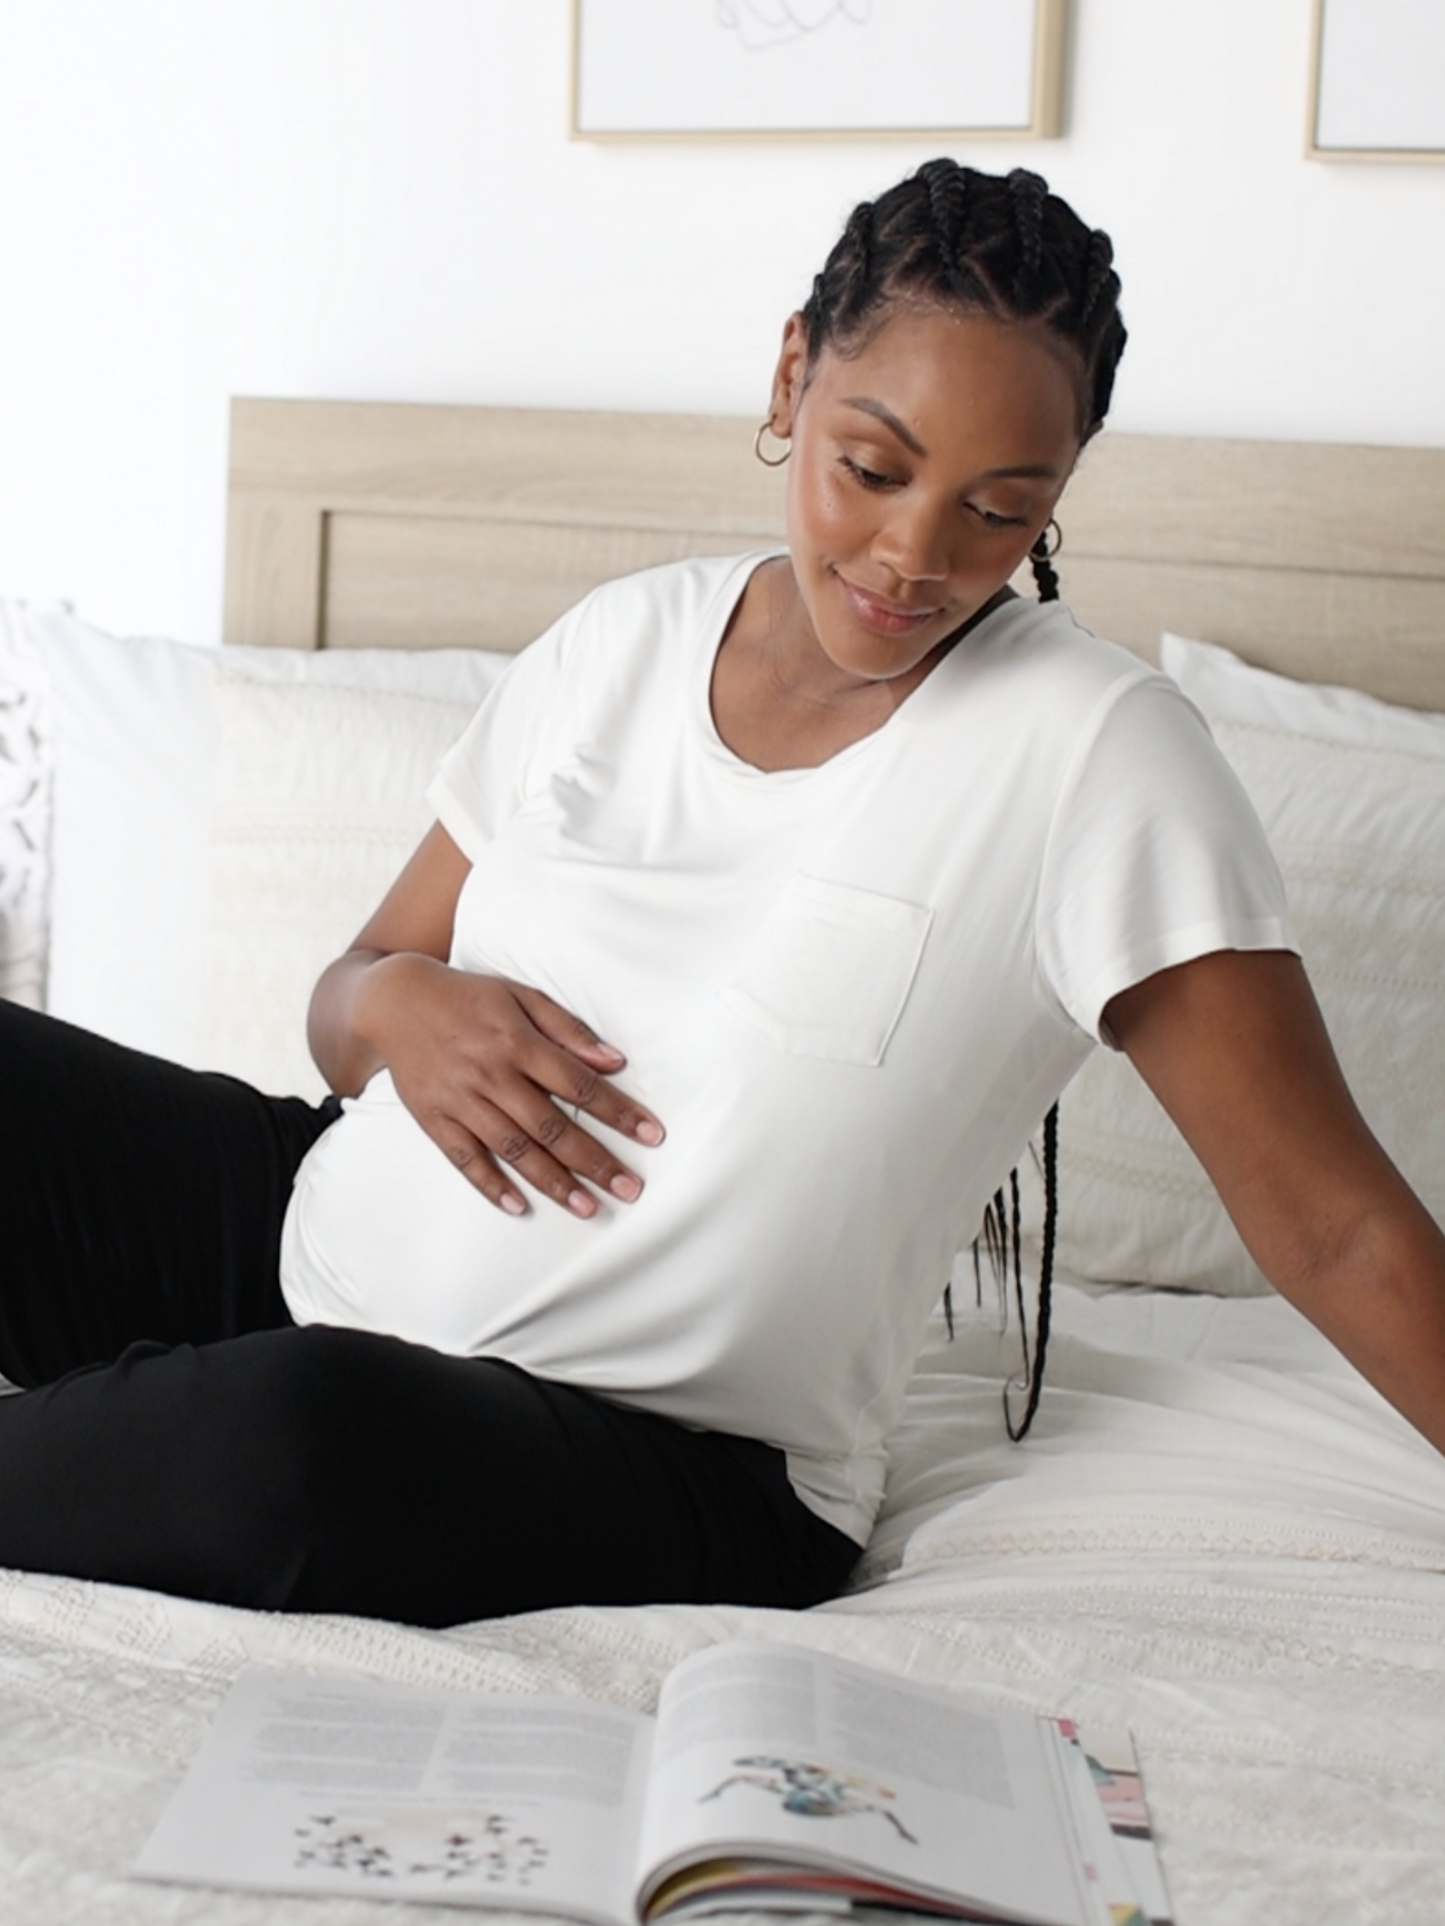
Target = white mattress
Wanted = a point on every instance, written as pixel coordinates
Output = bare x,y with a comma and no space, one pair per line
1216,1534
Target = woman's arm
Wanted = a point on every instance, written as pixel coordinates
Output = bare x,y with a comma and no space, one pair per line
1234,1047
481,1062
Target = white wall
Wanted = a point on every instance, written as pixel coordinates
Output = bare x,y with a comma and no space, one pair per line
378,199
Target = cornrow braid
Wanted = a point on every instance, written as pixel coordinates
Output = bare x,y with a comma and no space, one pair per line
851,262
947,193
1028,193
1100,274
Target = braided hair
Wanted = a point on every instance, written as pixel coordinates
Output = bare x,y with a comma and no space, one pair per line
1003,246
1000,245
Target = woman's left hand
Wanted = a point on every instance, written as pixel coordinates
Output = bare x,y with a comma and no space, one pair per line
1235,1048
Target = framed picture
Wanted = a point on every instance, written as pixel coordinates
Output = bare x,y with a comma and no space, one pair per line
817,69
1379,80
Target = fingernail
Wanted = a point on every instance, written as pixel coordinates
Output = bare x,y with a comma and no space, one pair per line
583,1204
626,1186
513,1205
648,1132
611,1048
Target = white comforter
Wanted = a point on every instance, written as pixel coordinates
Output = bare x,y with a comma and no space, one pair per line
1216,1534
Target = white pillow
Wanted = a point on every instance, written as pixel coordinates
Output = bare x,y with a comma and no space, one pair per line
25,762
319,799
138,732
1352,794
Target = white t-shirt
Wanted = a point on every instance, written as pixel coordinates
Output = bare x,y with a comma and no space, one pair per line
850,993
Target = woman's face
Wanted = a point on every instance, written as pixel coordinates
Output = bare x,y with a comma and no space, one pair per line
923,469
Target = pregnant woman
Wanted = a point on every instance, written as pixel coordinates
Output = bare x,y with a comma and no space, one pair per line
770,903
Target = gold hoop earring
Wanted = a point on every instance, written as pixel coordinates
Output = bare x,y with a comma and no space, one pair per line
1041,546
777,460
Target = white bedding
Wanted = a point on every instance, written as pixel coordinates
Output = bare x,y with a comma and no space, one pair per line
1216,1533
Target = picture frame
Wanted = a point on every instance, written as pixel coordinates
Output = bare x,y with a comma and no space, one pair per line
1377,81
818,69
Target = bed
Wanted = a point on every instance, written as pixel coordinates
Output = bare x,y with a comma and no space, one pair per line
1216,1534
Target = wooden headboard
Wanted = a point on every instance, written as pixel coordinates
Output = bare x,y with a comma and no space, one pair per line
372,524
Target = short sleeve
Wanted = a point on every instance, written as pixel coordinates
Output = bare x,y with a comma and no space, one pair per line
1155,855
510,745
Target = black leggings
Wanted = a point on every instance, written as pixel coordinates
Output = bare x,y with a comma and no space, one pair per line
179,1432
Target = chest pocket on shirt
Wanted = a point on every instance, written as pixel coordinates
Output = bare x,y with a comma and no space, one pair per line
830,970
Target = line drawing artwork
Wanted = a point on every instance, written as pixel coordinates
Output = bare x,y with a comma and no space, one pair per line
813,1791
768,23
825,69
487,1847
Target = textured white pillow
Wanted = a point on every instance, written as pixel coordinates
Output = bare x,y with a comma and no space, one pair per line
1352,794
26,762
136,727
319,800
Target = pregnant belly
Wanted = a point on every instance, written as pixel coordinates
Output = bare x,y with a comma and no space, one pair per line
385,1234
749,1302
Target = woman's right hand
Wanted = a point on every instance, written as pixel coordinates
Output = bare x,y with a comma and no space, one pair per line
488,1067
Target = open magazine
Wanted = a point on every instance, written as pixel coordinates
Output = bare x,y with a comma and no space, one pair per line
772,1777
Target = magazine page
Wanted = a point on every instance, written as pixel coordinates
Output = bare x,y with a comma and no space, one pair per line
773,1753
1119,1787
314,1785
1107,1870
